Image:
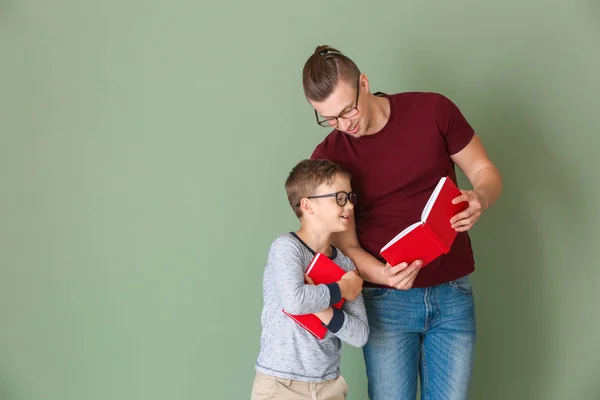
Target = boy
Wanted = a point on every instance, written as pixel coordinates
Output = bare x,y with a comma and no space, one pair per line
293,364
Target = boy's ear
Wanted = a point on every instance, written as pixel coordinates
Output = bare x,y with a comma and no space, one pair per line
306,206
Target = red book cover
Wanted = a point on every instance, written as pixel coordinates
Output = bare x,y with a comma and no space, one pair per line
433,235
322,270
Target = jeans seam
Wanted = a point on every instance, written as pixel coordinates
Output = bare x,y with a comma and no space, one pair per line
425,394
427,310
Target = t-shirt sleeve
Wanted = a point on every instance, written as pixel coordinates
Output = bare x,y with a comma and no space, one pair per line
318,153
453,125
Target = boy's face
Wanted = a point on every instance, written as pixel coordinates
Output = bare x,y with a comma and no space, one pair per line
327,211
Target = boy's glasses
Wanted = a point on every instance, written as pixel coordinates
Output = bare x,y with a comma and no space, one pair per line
341,198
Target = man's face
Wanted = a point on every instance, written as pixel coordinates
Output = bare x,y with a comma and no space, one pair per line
344,109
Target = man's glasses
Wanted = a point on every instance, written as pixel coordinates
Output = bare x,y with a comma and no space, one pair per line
341,198
351,113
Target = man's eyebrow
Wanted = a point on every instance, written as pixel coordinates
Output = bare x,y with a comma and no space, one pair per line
343,111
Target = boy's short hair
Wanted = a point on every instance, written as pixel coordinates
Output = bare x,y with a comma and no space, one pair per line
306,176
324,69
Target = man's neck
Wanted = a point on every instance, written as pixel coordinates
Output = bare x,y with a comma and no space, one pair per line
316,239
380,114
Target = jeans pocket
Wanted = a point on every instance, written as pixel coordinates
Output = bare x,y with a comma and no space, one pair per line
462,285
375,293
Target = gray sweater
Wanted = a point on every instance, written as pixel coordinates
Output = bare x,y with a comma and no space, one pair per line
286,349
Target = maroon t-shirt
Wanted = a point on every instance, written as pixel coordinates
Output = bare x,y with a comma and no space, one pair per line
395,170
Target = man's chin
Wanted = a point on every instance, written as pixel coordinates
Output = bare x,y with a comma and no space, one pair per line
355,131
355,135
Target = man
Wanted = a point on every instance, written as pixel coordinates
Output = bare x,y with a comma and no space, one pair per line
397,147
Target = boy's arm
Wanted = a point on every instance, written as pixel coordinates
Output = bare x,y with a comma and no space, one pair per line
350,324
295,295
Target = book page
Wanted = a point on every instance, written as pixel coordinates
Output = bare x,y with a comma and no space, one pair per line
432,199
402,234
442,210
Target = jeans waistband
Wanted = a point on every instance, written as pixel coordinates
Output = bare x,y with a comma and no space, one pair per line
375,285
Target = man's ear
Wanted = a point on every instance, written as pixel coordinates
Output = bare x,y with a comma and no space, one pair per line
364,82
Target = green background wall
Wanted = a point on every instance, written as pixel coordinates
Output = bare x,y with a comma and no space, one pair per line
143,150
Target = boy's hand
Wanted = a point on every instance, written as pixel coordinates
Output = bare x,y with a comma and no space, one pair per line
350,285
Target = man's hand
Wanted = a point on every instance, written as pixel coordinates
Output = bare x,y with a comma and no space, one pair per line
402,276
465,220
350,285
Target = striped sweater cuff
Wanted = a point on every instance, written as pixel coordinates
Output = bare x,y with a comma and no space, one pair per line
336,321
335,294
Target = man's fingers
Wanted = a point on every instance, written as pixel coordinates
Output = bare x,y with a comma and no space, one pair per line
461,198
405,281
462,222
401,269
462,215
398,268
405,276
405,284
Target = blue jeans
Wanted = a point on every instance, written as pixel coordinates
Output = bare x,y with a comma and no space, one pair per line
427,331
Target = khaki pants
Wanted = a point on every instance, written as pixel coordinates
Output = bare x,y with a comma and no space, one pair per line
268,387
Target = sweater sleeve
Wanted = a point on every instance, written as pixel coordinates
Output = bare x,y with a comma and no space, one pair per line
350,324
294,294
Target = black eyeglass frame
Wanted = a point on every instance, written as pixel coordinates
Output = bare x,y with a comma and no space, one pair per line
325,122
349,196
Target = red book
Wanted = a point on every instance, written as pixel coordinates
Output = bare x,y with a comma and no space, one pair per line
322,270
431,237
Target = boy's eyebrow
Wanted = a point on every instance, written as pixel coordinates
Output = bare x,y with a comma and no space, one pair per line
343,111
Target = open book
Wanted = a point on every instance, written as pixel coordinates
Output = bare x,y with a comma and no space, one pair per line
433,235
322,270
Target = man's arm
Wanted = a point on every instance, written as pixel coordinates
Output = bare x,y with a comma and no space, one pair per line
485,178
371,269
